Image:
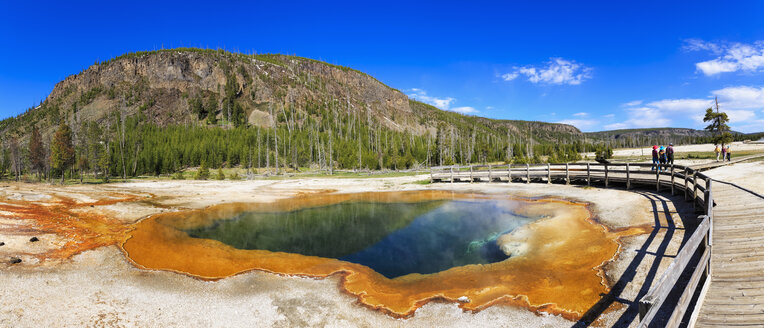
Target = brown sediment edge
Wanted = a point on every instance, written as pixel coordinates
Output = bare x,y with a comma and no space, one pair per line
81,230
344,271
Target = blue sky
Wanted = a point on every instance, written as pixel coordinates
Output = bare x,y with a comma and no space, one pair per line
596,65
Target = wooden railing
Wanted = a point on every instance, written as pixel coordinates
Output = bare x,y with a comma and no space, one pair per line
695,185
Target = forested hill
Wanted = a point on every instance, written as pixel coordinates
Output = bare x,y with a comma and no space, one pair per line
216,88
163,111
641,137
656,136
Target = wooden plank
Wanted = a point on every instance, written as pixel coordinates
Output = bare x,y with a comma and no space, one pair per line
588,175
672,179
509,173
606,180
701,299
567,174
628,181
658,293
689,291
527,173
548,173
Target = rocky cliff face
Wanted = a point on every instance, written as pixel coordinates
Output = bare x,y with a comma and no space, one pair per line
162,85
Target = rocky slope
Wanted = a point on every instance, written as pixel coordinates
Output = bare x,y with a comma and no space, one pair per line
165,87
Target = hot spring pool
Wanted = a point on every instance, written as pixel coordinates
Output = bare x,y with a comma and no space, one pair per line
396,251
393,239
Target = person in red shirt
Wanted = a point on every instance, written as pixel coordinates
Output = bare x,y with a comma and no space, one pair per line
656,161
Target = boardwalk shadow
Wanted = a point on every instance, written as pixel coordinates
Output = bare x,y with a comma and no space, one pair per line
660,208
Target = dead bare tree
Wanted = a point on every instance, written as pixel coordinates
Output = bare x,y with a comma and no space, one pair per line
16,161
122,141
275,139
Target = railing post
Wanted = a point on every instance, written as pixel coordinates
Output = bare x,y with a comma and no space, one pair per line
567,174
694,190
548,173
672,179
606,176
710,213
628,180
658,178
452,174
509,173
490,170
527,173
588,175
709,201
431,177
686,191
472,179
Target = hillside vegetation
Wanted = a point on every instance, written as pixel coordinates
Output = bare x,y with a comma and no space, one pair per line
163,111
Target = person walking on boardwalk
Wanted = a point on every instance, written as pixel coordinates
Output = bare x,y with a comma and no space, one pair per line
729,154
717,151
662,156
670,154
724,153
655,159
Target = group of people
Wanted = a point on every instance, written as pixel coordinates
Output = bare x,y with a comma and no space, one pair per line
662,156
724,151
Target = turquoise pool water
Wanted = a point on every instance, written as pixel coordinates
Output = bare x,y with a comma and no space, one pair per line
393,239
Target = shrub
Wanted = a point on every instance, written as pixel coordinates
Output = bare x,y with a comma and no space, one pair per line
178,176
203,173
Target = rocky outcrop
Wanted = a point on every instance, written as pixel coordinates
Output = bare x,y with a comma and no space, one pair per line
160,85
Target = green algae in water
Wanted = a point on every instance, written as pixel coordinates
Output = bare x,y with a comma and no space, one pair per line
394,239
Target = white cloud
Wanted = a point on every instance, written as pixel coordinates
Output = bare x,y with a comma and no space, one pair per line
632,103
609,116
740,115
510,76
581,114
442,103
697,45
680,105
421,95
741,97
556,71
732,57
464,110
750,126
646,117
741,103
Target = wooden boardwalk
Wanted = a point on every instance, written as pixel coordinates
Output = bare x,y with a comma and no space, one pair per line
736,293
728,242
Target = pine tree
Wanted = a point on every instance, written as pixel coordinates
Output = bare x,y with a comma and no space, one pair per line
36,152
203,173
718,125
62,150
